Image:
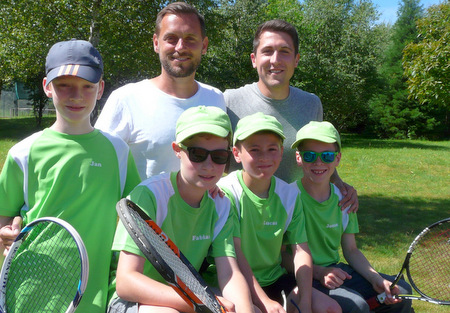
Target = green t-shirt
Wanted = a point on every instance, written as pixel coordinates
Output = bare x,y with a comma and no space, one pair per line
325,225
78,178
197,232
265,224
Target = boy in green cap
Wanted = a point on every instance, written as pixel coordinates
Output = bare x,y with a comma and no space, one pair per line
198,224
269,216
318,154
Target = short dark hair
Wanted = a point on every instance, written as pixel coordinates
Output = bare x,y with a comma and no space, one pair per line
276,26
176,8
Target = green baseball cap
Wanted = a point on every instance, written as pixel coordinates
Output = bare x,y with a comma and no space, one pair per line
320,131
254,123
202,119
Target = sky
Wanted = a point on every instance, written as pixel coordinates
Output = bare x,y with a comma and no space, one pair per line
388,8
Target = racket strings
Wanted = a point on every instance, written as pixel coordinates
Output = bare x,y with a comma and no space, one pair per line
429,266
45,273
180,269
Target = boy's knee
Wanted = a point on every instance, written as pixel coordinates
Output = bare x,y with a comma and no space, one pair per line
334,308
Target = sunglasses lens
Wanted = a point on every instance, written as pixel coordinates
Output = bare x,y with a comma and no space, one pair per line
327,157
198,155
220,156
309,156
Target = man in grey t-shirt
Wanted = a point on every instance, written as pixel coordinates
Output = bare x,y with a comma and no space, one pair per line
275,57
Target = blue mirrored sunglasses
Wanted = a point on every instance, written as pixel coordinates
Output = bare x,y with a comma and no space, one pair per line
311,156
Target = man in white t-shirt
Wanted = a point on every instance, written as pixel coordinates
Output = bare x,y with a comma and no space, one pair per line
144,114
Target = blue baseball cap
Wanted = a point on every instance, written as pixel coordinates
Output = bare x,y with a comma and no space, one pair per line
74,58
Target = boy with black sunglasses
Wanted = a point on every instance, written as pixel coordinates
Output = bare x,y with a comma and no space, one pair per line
198,224
269,216
318,154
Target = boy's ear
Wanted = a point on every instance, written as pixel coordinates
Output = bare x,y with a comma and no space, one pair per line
101,89
177,149
235,152
47,89
298,158
338,158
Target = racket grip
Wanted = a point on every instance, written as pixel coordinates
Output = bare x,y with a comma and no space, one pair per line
375,302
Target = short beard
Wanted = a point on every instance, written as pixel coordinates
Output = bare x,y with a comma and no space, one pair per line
180,71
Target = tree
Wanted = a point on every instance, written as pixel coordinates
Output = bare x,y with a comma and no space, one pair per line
427,68
392,114
338,57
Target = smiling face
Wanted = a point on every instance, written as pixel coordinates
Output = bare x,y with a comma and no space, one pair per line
199,177
180,44
260,155
74,99
317,172
275,60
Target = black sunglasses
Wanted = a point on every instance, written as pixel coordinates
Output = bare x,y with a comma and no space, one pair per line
198,155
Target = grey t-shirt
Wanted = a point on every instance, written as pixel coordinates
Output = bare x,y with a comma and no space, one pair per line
294,112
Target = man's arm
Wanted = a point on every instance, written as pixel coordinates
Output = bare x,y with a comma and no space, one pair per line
349,193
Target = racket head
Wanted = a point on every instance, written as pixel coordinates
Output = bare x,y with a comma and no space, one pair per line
167,259
428,267
46,269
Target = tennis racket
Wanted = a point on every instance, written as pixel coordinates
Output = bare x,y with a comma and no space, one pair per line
427,265
46,269
167,259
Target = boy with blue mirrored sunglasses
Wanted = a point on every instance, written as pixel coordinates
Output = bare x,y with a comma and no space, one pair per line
328,228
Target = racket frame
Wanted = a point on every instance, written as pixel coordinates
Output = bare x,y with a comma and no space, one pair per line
84,274
423,297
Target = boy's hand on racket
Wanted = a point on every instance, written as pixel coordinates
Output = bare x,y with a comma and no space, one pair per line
333,277
227,304
384,285
8,233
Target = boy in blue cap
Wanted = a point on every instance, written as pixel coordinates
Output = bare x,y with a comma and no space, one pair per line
71,170
318,154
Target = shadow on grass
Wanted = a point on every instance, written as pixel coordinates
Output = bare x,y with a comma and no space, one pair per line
356,141
384,221
20,128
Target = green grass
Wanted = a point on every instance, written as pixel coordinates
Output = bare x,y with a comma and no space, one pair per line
403,186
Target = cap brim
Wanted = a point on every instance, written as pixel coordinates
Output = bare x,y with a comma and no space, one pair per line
207,129
318,138
88,73
244,135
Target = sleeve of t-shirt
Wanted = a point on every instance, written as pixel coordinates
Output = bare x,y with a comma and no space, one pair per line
223,244
296,231
133,178
236,224
114,117
11,188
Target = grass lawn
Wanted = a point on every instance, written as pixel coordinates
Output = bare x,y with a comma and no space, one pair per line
403,186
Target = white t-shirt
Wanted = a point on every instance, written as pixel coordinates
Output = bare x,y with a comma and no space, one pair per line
145,118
